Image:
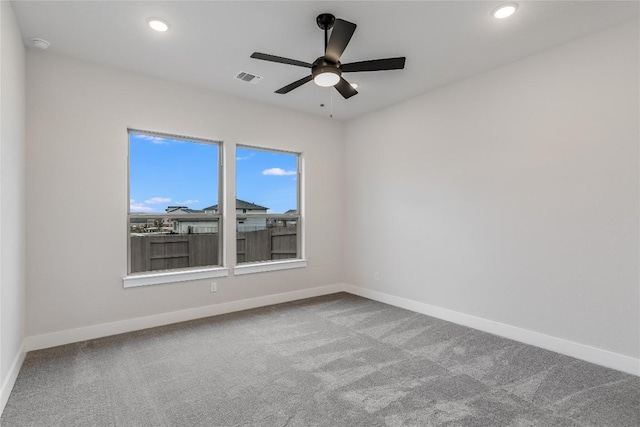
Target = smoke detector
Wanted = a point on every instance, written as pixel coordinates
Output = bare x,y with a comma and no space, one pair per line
40,43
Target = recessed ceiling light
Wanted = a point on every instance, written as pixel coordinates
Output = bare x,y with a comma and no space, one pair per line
504,10
158,24
354,85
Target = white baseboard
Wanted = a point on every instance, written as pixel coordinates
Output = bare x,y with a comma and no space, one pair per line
7,385
69,336
569,348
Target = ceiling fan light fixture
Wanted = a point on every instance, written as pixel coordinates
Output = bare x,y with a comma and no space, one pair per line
326,78
504,10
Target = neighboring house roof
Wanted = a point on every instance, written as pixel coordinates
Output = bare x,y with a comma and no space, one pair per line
292,211
184,209
240,204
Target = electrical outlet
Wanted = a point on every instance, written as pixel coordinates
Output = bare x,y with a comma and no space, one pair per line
214,287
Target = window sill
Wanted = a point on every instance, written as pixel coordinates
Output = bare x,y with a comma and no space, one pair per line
160,278
262,267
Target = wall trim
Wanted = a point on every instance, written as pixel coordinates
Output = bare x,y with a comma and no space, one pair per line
261,267
9,382
38,342
148,279
584,352
569,348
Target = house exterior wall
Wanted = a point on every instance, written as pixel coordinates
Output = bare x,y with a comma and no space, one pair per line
252,224
196,227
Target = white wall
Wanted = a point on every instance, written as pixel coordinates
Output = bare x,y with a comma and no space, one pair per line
12,199
77,118
511,196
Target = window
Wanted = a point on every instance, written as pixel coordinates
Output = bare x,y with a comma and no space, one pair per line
268,227
175,220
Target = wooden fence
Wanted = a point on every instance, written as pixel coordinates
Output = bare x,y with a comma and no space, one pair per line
151,252
166,251
266,245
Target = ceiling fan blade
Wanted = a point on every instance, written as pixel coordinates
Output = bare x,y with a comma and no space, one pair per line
345,89
280,59
288,88
340,36
374,65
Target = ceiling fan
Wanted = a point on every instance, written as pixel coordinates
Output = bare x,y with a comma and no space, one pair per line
326,71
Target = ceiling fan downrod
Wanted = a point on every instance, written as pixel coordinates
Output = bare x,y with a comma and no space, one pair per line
325,21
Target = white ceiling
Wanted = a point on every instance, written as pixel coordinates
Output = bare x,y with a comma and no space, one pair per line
209,42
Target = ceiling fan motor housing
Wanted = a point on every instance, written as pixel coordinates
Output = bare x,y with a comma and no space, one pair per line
321,65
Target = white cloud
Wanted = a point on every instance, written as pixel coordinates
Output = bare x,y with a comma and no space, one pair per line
139,208
189,202
154,139
247,157
157,200
277,172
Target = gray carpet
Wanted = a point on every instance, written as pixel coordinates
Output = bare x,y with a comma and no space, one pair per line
338,360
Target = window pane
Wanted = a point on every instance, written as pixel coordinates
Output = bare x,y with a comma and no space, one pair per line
169,173
266,181
178,179
267,227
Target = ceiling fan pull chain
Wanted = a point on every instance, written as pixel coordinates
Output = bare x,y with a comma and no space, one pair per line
330,103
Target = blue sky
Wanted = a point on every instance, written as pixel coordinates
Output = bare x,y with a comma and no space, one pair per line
165,172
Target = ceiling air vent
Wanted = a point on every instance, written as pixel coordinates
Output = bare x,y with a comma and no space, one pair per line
248,77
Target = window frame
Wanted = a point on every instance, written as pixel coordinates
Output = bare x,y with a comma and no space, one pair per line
274,265
154,277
